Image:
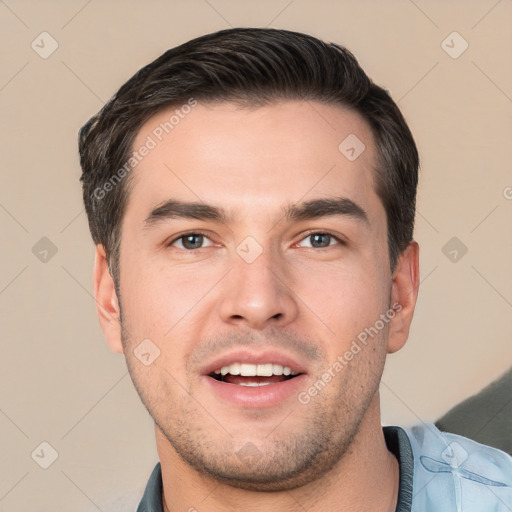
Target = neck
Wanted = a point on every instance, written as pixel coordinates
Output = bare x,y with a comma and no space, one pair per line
365,478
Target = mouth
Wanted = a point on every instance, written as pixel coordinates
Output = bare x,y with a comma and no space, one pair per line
253,375
249,379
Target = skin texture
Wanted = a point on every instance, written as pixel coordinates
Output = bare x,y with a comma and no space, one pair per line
306,301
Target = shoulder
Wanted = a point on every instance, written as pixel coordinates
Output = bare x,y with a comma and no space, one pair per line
454,473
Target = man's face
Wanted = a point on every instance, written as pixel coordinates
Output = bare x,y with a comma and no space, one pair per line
280,278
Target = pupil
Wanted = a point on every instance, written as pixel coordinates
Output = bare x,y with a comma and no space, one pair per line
320,240
192,241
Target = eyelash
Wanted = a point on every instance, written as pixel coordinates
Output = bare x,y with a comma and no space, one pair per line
319,232
188,233
308,234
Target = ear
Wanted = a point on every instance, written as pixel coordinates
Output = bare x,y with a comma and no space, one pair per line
107,303
404,292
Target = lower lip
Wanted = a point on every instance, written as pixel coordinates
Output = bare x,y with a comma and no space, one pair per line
269,395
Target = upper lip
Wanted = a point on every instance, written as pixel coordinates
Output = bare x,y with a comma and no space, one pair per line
262,356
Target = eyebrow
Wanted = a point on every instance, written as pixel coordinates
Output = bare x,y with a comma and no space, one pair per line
174,209
326,207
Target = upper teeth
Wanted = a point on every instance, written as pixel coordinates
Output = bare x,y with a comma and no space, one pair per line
253,370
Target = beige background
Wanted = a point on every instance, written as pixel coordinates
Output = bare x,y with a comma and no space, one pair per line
59,382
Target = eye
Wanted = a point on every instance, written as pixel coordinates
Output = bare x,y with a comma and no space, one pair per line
191,241
319,240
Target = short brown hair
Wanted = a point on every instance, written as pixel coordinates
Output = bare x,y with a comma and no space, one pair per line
245,65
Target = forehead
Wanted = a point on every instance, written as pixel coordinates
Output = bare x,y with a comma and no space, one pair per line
239,157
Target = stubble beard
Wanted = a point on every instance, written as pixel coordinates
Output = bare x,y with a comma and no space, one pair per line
288,457
308,443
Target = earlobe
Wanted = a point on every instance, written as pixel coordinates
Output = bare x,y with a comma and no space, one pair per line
404,293
107,303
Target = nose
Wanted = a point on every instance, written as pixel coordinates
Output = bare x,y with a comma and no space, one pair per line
257,294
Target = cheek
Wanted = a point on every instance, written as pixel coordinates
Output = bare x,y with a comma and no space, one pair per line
160,301
346,299
145,302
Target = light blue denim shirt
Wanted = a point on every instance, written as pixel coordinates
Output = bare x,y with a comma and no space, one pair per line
455,474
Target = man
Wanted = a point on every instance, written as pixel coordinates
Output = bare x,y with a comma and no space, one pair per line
251,194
